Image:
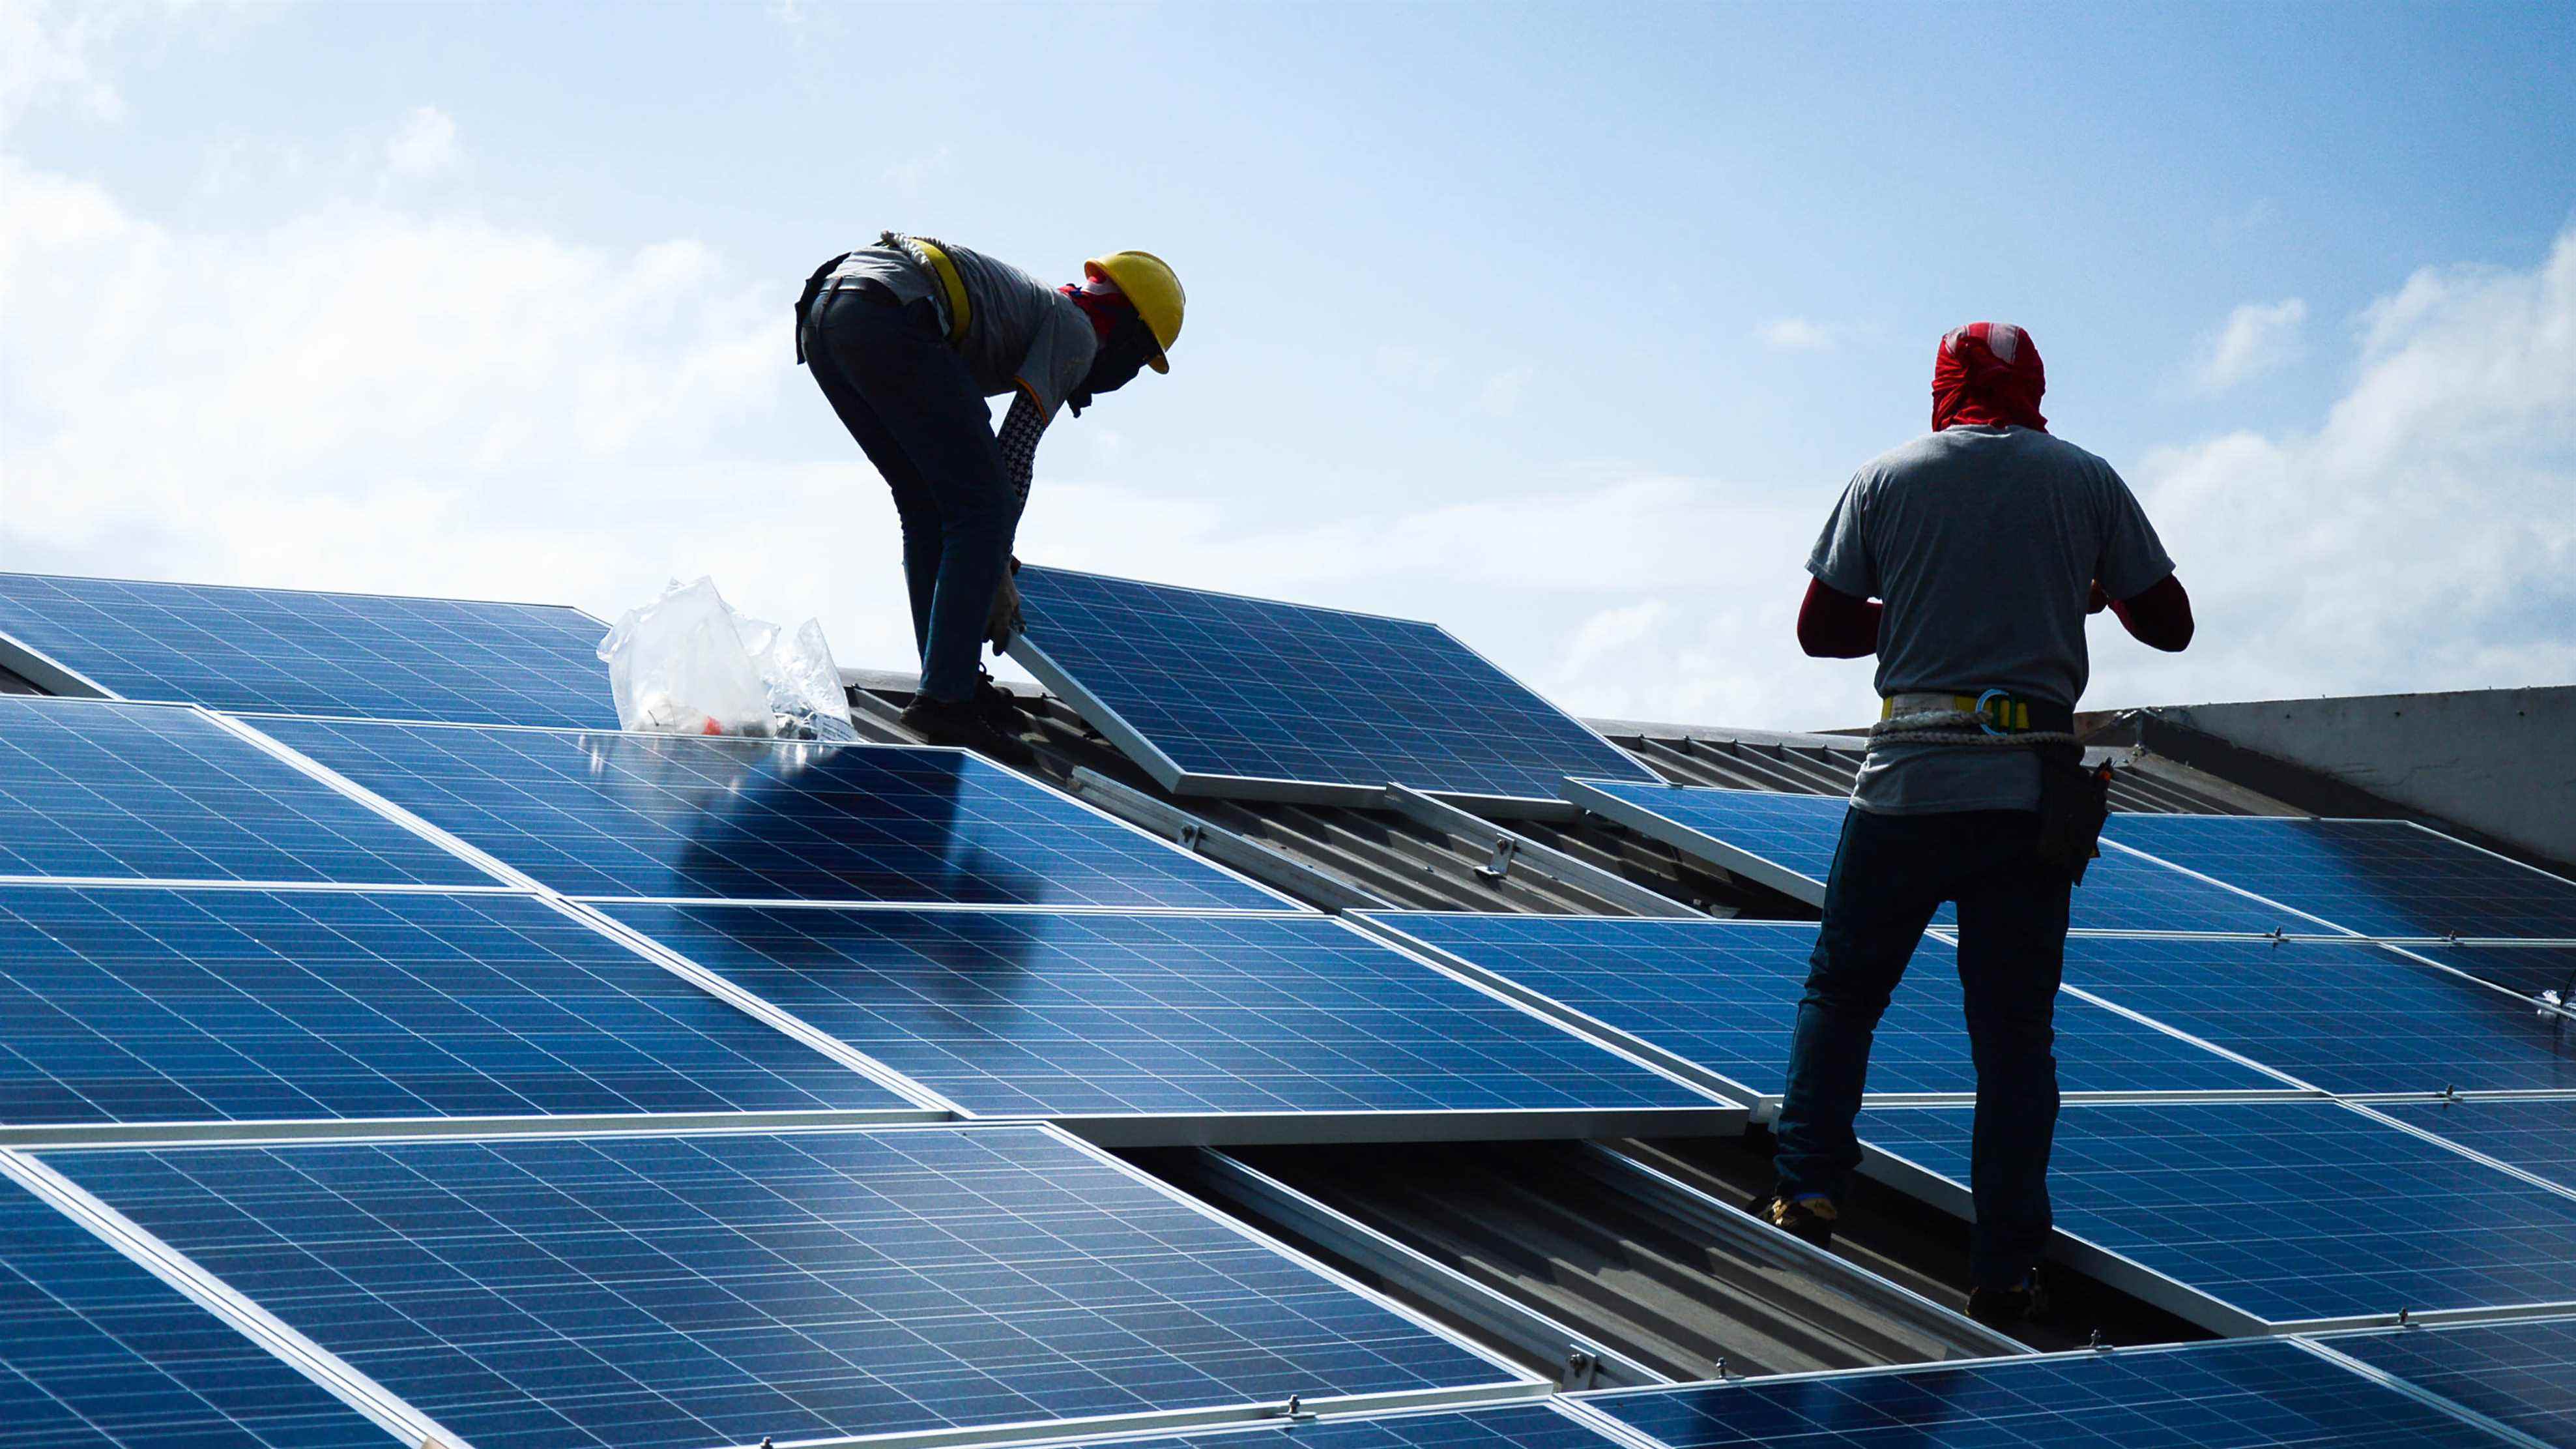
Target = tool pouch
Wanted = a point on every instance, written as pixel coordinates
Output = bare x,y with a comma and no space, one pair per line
2074,804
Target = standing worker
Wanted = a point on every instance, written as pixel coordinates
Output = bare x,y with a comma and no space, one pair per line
907,338
1988,541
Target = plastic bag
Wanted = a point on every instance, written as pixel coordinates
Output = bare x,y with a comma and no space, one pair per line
689,663
807,700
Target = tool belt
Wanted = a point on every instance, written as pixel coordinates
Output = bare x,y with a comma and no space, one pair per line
2074,801
952,287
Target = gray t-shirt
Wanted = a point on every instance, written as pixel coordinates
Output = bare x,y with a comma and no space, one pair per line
1984,542
1021,334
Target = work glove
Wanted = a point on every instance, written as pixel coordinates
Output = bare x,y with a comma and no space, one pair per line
1003,622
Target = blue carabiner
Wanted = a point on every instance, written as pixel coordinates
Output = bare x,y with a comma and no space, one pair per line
1985,721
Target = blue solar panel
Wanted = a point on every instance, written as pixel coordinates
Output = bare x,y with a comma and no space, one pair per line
2287,1210
2530,970
94,1351
126,791
2259,1395
1724,994
1232,689
1515,1426
368,655
2537,1135
2522,1375
137,1004
678,1292
668,815
1041,1013
2345,1016
2376,877
1795,835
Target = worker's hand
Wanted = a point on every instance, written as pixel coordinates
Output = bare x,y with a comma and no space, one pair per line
1003,622
2098,600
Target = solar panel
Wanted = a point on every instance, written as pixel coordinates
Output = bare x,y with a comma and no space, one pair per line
2345,1016
126,791
2537,1135
2530,970
369,655
2255,1395
1220,694
94,1351
2375,877
610,814
2278,1212
2522,1375
1516,1426
137,1004
1787,842
1026,1013
673,1292
1724,995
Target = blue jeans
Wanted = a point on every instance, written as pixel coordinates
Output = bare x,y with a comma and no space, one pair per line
1891,872
908,399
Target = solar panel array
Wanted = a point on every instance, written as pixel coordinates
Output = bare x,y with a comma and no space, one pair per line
367,655
2517,1374
1520,1426
2381,878
1217,692
2536,1134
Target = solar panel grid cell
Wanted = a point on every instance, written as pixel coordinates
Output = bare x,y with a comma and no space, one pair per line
2289,1211
123,791
2529,970
1058,1014
2537,1135
676,1292
1231,687
627,815
147,1005
371,656
2522,1375
2260,1395
1724,995
96,1353
1529,1426
2347,1017
2375,877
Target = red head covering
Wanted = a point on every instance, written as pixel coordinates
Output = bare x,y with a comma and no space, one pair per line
1988,373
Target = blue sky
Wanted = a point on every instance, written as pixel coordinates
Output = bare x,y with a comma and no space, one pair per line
1560,325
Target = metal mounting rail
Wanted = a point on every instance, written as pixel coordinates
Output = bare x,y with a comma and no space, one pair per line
1270,867
1579,1362
1514,851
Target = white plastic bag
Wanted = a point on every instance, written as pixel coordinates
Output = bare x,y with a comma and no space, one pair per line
689,662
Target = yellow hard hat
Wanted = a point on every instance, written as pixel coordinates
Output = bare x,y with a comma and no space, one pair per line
1151,288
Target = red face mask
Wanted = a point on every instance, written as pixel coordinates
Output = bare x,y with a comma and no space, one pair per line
1988,374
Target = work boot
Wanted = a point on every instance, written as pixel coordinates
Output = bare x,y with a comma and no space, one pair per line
1809,1217
2006,1308
962,723
998,706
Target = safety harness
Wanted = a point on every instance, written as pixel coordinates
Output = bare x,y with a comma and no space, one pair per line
2074,802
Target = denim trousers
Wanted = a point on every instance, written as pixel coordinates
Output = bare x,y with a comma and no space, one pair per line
1890,874
908,399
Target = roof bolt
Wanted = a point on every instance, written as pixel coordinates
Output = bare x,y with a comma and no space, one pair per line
2100,1344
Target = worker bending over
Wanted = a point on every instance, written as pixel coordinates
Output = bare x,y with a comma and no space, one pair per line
1988,541
907,338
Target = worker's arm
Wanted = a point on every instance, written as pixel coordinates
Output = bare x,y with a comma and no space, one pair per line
2158,616
1834,625
1022,426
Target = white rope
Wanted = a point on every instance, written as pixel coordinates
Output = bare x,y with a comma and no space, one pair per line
1957,727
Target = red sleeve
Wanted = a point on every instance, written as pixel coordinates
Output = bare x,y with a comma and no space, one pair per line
1834,625
2158,616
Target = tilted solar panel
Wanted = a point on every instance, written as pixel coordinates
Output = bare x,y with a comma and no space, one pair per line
2271,1212
1220,694
1724,996
610,814
1024,1013
675,1292
2537,1135
2522,1375
137,1004
99,1354
1516,1426
2259,1395
135,791
2529,970
2345,1016
2375,877
369,655
1787,842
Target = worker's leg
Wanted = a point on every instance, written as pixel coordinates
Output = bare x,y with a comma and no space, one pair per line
916,387
913,507
2012,952
1890,874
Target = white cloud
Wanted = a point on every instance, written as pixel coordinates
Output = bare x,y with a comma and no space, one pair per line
50,53
2421,537
424,145
1502,393
1798,334
2256,338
